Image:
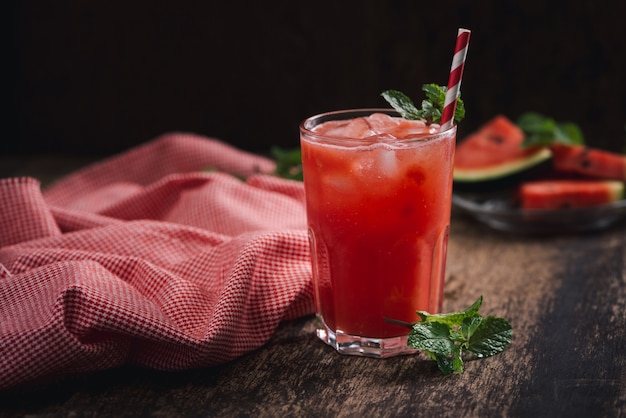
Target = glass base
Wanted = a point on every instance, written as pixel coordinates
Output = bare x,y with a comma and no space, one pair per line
364,346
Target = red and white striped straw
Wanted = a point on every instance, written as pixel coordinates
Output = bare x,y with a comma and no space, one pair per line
454,82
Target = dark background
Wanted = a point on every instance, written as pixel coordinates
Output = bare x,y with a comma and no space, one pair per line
96,78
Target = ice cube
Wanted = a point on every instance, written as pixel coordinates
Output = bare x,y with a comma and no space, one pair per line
382,123
386,161
357,128
339,182
361,165
381,137
331,128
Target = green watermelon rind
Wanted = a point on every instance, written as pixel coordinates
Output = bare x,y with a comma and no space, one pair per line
506,174
503,169
614,191
616,188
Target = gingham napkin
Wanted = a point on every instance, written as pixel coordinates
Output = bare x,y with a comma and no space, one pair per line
148,259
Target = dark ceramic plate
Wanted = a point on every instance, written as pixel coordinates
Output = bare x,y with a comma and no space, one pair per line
499,211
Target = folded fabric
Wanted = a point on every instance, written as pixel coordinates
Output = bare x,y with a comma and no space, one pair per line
161,257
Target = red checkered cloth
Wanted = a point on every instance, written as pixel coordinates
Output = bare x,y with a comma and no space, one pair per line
147,259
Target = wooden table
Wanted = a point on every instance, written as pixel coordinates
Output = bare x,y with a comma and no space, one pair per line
564,295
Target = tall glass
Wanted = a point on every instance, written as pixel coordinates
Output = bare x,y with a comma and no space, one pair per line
378,211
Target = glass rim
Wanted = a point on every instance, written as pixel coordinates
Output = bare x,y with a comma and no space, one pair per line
305,127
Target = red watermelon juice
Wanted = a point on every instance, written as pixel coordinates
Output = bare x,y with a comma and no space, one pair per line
378,194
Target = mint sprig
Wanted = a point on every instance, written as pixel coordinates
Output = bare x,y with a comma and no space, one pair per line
431,108
540,130
288,163
448,338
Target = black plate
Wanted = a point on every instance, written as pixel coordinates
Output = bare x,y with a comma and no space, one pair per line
499,211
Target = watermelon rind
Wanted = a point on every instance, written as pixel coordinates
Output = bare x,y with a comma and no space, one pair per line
566,194
617,189
504,174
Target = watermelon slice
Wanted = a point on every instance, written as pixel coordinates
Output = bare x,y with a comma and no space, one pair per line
559,194
589,162
493,157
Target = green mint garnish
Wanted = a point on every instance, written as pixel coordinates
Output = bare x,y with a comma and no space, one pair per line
402,104
445,338
544,131
432,106
288,163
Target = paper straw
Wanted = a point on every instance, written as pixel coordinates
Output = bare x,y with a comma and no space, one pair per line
454,82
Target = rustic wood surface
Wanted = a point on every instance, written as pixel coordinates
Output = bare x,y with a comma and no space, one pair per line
565,296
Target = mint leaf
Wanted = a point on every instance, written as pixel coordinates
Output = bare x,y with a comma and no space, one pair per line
434,103
450,364
491,337
431,108
445,337
540,130
436,95
402,104
570,133
452,318
470,325
433,337
288,163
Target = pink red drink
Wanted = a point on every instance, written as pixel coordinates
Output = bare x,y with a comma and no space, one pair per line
378,191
